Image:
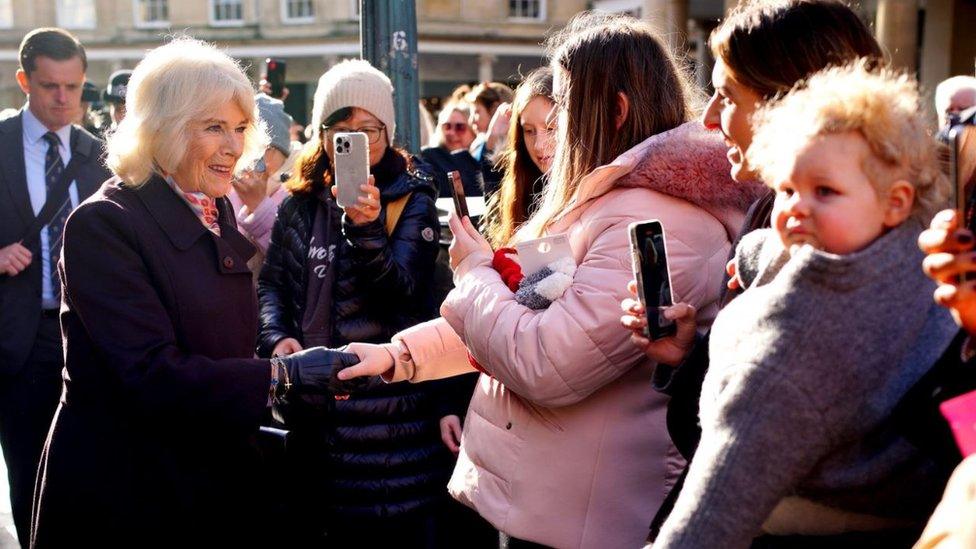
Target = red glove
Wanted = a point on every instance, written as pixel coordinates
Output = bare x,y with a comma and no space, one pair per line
511,274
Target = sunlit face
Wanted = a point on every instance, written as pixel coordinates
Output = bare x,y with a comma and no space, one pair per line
215,145
54,90
960,101
826,200
359,120
480,118
539,136
458,133
729,111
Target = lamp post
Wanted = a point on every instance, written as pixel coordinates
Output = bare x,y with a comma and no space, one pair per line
388,33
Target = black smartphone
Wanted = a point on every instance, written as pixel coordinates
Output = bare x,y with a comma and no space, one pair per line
962,137
275,75
650,253
457,193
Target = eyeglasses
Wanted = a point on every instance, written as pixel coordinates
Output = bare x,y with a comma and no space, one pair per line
373,133
455,126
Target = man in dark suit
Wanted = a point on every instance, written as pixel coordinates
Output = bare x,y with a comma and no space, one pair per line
36,148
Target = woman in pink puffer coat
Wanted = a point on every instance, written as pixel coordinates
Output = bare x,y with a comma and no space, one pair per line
564,443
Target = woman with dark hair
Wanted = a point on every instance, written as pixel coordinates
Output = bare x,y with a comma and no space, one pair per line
372,472
762,49
564,445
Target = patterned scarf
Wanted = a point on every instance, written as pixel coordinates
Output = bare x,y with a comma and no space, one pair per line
202,205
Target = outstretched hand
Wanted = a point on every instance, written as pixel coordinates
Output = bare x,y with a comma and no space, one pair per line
667,350
374,360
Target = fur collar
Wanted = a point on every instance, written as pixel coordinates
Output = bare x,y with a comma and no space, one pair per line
689,162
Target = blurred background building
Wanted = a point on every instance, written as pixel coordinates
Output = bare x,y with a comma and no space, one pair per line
458,40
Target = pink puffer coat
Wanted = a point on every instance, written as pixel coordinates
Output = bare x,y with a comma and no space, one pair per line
565,443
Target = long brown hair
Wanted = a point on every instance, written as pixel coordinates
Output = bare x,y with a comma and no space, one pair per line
770,46
595,58
509,207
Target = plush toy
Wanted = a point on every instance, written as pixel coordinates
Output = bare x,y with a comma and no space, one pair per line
536,291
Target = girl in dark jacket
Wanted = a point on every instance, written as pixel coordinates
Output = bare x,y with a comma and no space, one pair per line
362,274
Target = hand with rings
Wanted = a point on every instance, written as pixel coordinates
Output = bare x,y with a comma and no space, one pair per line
368,209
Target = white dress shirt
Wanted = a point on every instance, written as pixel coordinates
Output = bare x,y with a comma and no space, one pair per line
35,149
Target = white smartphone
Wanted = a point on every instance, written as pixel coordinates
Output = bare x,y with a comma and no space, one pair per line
533,255
351,170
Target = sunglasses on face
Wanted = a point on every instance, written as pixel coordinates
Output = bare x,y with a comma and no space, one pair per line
458,127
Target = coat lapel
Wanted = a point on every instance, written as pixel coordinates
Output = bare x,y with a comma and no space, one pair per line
183,228
13,168
82,149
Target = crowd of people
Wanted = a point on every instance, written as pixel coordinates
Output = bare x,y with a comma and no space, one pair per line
200,346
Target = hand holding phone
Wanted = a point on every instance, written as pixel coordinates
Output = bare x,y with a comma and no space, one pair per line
350,154
275,75
650,260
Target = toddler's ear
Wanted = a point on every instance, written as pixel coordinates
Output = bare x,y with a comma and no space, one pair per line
901,198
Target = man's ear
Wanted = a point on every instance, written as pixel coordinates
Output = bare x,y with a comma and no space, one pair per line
901,198
623,109
23,82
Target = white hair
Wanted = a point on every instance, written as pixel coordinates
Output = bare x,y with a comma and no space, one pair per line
437,139
174,85
949,87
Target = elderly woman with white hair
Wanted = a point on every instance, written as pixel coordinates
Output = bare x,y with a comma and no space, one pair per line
151,444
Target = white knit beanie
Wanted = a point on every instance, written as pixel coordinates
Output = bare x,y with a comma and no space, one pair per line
355,83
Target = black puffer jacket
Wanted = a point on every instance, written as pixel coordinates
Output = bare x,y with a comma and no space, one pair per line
380,454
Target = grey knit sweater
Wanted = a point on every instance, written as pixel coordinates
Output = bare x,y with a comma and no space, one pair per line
806,368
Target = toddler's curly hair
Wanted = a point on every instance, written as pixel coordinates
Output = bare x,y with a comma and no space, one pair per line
882,105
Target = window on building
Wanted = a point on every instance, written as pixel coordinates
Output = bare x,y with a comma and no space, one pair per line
226,12
6,14
76,14
527,9
297,11
152,13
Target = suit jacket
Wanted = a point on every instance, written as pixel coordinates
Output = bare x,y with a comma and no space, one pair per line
20,296
151,445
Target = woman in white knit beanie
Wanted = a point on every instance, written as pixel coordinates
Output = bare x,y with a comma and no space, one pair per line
368,470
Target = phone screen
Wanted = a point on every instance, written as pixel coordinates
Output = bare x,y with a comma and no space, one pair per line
652,275
457,192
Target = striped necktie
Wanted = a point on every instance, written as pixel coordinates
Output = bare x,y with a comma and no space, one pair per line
53,168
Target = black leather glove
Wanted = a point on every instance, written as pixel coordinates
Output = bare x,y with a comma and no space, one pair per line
307,387
313,371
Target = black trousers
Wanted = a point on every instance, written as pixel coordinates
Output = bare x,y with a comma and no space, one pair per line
28,401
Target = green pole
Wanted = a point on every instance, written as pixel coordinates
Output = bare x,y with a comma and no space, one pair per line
388,31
